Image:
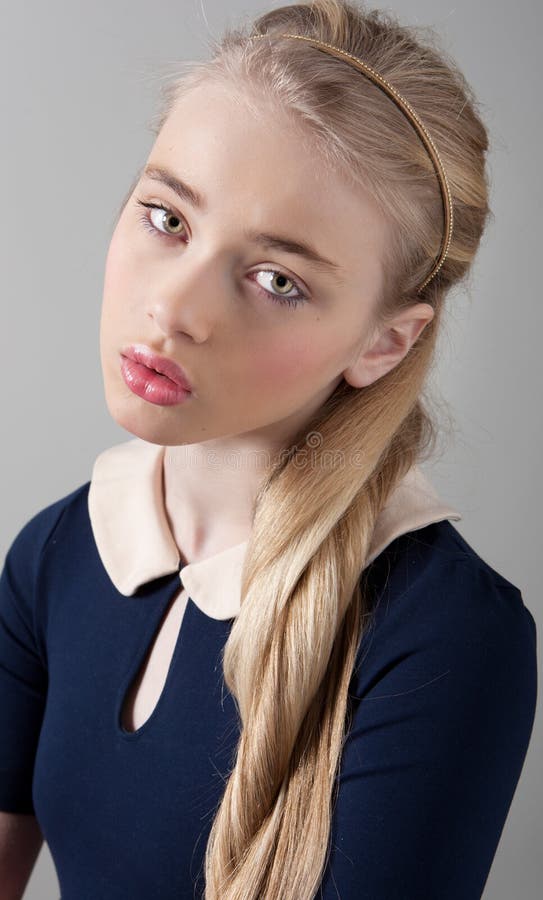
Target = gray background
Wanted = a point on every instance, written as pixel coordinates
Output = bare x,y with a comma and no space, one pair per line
79,85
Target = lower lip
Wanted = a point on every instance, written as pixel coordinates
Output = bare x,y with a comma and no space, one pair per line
151,385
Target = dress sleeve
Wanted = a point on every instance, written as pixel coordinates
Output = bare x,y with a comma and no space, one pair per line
23,672
443,704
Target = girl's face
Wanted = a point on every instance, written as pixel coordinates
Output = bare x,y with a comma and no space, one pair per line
263,333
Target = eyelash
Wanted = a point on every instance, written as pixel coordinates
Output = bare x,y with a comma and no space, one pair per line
148,225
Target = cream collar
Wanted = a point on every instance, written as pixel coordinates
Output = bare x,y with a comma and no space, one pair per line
133,537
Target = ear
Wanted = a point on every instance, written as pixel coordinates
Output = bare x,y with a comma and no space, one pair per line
389,346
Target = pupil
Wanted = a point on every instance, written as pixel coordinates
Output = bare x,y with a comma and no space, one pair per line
282,279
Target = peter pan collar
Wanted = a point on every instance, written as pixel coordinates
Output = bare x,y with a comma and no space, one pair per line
136,545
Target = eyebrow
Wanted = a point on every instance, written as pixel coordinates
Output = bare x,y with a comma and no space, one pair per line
271,241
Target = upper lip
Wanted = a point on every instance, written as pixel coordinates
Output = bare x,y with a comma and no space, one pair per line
141,353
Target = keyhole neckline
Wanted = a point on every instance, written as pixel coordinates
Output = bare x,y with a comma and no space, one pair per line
192,611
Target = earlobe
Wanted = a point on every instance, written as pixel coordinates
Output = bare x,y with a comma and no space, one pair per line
390,346
369,366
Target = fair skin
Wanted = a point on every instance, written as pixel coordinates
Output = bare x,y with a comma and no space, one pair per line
195,292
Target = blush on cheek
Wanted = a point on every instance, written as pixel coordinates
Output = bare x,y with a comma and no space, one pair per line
282,366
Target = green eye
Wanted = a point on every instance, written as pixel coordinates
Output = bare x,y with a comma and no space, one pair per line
177,227
285,285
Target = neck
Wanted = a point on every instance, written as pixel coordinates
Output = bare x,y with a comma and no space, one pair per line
209,492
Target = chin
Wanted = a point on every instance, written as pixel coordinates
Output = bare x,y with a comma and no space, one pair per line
147,421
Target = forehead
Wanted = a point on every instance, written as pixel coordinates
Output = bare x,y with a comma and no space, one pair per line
255,168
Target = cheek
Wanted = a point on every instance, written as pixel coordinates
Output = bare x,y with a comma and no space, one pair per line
116,287
294,359
117,268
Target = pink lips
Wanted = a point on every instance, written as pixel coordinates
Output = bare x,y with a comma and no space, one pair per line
154,377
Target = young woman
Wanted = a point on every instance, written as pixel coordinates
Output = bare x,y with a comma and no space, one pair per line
252,657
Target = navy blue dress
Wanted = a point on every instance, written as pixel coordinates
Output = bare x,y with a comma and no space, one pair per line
442,704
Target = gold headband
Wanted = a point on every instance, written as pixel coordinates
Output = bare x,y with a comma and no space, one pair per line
412,116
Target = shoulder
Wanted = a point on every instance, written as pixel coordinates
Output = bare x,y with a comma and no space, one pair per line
433,571
436,601
22,613
30,542
70,512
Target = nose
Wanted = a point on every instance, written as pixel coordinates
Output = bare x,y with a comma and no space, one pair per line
188,298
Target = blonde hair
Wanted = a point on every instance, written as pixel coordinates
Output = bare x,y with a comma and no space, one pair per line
292,649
